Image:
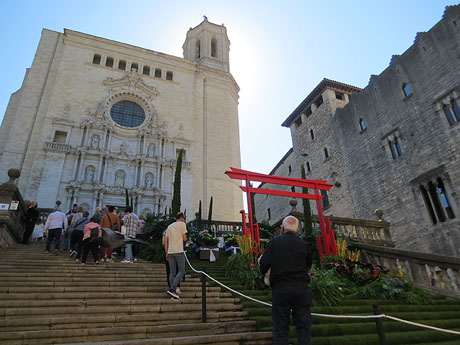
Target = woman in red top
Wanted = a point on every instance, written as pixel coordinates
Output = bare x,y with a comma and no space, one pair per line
91,230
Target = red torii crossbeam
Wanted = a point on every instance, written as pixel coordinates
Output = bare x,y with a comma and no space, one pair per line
326,242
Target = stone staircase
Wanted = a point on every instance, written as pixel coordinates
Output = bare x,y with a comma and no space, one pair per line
51,299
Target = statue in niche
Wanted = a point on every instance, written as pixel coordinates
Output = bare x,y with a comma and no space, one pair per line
149,181
124,148
151,150
120,178
95,141
89,173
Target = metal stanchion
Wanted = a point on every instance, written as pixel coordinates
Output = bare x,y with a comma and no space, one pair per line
203,296
379,324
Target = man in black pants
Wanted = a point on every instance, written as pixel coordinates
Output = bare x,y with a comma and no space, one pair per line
290,260
31,218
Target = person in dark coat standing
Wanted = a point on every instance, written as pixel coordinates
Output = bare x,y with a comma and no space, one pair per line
289,258
31,218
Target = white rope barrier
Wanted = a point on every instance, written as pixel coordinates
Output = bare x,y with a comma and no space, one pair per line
324,315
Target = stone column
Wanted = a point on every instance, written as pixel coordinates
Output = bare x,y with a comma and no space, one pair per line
74,174
83,154
95,195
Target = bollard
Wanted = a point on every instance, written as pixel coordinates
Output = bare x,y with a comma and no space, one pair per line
379,324
203,296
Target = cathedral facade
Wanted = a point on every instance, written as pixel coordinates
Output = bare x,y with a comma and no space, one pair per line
393,145
95,118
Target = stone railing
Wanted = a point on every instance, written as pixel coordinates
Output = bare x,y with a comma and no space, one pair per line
220,228
362,230
52,146
185,164
12,221
437,273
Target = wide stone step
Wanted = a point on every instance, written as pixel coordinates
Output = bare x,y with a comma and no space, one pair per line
114,333
7,313
253,338
110,301
115,320
100,288
188,293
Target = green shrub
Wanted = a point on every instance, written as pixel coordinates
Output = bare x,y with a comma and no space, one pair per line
153,252
327,289
239,267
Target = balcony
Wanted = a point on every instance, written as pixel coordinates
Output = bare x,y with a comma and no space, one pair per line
52,146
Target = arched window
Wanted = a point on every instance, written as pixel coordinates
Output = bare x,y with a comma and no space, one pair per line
198,49
406,89
362,124
214,47
127,114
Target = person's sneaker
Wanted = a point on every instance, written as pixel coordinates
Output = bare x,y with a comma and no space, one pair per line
72,253
173,293
76,260
126,262
178,290
109,260
97,262
135,259
47,251
83,263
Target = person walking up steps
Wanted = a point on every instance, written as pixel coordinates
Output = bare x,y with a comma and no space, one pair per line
55,225
176,235
130,222
90,231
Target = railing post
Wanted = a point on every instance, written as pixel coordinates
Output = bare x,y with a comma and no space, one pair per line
203,296
379,324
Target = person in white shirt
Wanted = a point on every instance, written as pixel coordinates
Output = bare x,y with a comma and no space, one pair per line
55,225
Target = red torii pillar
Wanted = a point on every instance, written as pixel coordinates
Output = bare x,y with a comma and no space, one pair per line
326,242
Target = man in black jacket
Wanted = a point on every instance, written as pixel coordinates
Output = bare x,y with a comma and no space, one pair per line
290,260
31,218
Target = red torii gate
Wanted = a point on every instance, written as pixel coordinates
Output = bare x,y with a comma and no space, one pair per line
326,242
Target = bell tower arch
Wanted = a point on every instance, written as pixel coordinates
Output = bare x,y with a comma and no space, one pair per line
209,45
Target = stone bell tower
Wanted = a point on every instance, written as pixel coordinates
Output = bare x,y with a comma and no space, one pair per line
208,43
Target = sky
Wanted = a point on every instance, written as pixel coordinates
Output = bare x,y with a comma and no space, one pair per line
280,50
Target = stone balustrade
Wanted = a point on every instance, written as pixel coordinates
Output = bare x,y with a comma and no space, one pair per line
437,273
52,146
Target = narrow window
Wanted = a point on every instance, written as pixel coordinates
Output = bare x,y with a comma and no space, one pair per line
308,111
269,214
96,59
157,73
60,137
339,95
198,49
433,192
455,109
134,67
395,147
362,124
326,153
169,75
109,62
444,199
293,189
122,65
325,200
319,101
146,70
428,205
214,47
308,167
289,170
406,89
448,113
312,134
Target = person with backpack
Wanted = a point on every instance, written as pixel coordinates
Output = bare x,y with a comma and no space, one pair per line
91,231
109,221
76,235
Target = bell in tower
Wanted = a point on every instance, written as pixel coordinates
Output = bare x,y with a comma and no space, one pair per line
208,44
